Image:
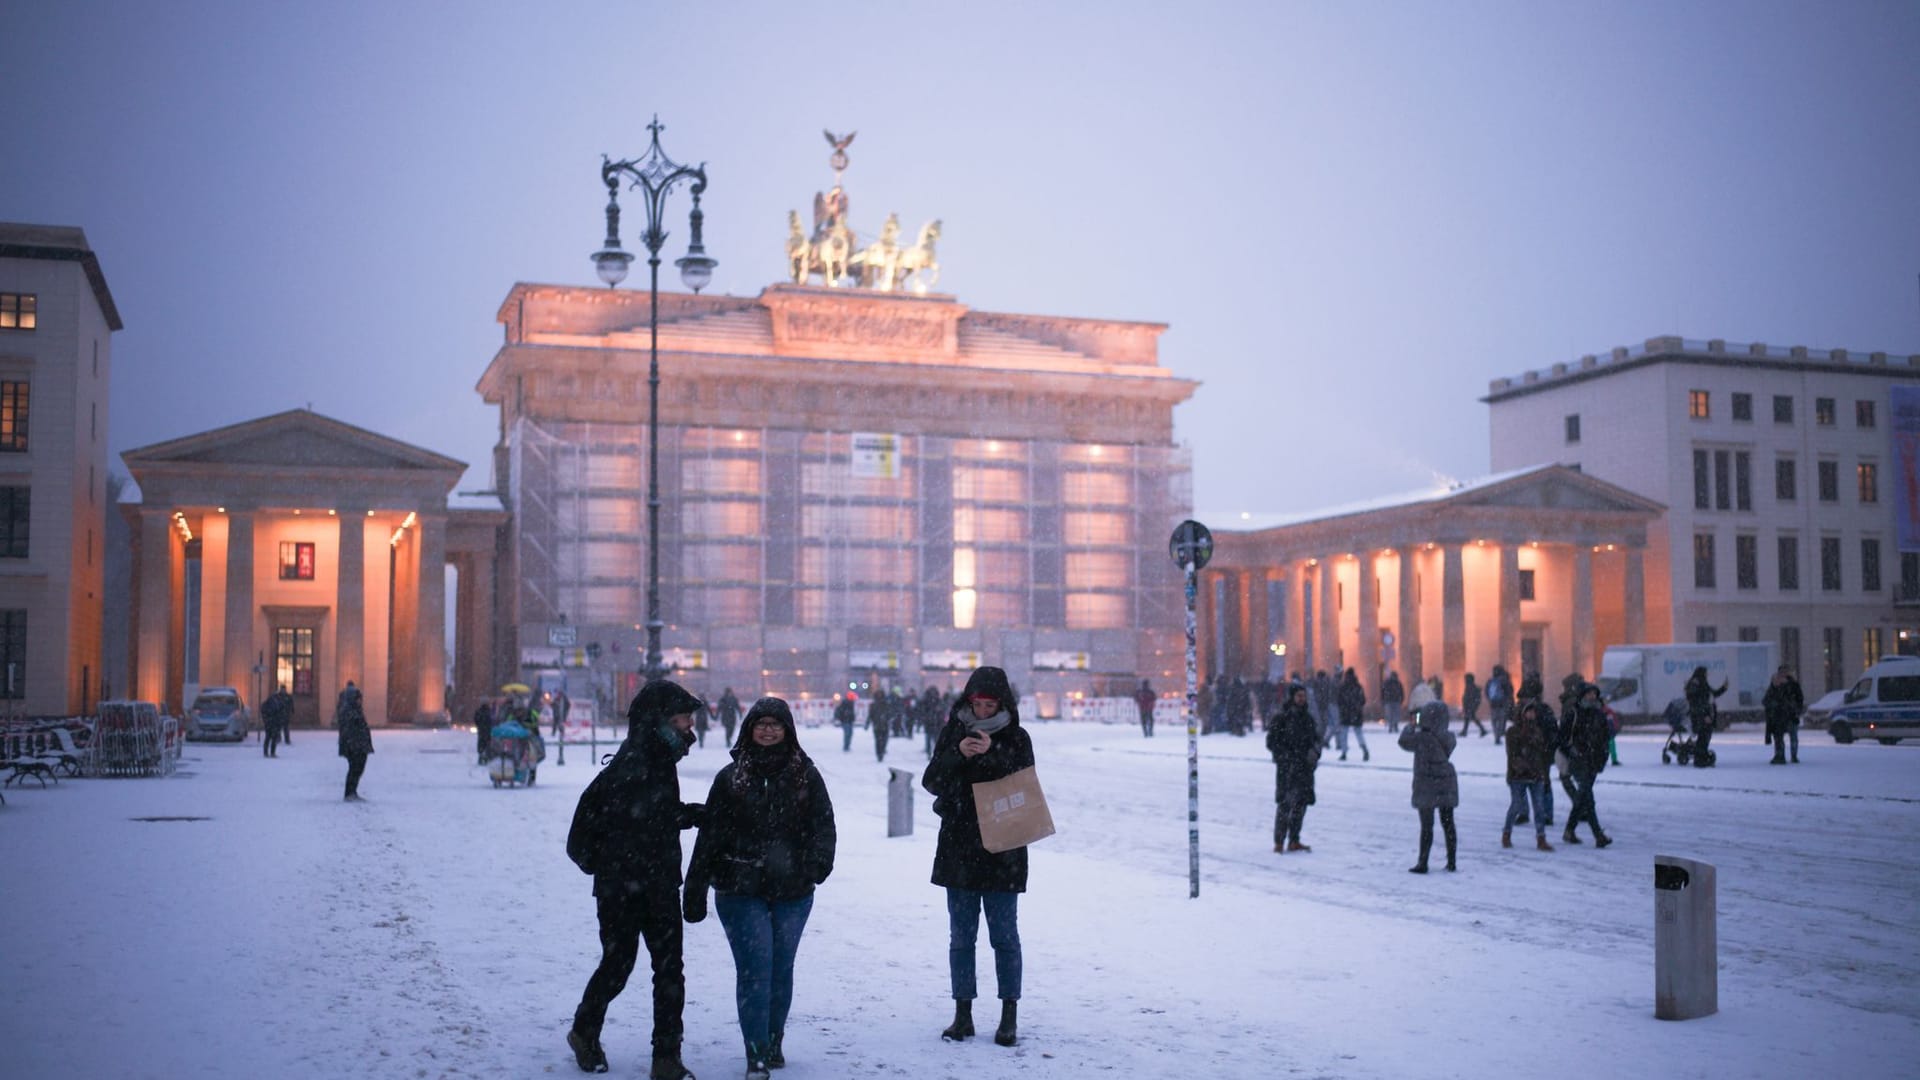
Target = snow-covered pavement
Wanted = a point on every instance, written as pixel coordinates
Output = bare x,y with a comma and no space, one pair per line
438,930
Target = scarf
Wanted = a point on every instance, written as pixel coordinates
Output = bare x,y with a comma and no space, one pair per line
991,724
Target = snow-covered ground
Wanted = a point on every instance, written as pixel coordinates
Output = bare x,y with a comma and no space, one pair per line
438,930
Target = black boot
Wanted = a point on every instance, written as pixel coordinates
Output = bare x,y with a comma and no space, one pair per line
776,1058
586,1051
962,1026
1426,846
1006,1034
666,1064
756,1062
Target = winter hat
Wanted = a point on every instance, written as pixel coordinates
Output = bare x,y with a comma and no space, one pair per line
1530,685
1433,717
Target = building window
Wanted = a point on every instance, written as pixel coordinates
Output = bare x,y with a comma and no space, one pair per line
1703,561
1784,481
1833,643
1749,633
1790,649
1743,406
293,659
1782,409
1526,584
1829,480
1823,411
1746,561
15,514
1870,565
1702,481
13,653
1909,576
296,561
19,311
13,417
1698,407
1871,646
1863,417
1742,480
1830,564
1573,428
1722,499
1789,551
1868,475
1706,635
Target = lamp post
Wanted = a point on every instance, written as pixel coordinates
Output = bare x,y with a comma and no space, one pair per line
654,175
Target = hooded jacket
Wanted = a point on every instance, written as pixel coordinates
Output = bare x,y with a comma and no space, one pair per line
769,829
626,828
1293,739
1586,732
1435,783
1528,756
959,859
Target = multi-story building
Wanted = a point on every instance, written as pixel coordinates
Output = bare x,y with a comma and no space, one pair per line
1778,471
852,482
56,324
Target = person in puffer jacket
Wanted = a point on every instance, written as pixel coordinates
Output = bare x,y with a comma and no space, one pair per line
1435,784
767,840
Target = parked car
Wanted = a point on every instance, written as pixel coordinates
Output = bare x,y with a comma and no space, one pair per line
1884,704
1820,710
217,712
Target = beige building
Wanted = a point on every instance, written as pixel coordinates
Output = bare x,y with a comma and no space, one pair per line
853,482
1538,569
1779,471
297,550
56,324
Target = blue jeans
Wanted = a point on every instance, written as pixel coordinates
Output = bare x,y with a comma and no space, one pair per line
765,936
1003,933
1523,791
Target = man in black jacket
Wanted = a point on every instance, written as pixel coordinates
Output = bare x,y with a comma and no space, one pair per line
1783,704
626,833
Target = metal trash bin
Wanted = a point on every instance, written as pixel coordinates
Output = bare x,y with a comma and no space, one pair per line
1686,962
899,802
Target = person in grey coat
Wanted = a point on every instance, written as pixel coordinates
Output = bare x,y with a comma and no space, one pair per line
1435,784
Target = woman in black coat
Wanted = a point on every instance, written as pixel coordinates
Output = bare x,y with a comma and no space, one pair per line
1294,741
1701,711
767,840
981,742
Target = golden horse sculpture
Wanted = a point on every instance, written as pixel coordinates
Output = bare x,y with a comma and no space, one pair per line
918,261
883,266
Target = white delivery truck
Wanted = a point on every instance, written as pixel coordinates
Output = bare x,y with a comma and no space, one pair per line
1639,680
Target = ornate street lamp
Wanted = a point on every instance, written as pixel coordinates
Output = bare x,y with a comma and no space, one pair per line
654,175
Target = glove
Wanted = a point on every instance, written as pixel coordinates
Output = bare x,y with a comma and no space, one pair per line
696,905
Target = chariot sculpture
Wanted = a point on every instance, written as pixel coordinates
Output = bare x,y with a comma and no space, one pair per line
832,252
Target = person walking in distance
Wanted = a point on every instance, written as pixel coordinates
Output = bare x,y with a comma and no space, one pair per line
1470,707
982,741
1293,740
1783,704
626,834
1527,762
356,739
1500,701
729,710
1144,699
843,714
1532,693
1351,698
1586,748
276,713
1435,784
767,840
1393,698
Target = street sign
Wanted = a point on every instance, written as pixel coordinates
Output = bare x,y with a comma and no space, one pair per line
1192,543
563,637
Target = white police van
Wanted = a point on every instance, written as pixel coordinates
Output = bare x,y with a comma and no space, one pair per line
1883,704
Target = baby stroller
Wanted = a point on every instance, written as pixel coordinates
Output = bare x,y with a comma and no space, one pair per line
1680,744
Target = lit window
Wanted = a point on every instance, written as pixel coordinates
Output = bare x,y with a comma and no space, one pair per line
13,416
1697,405
1868,475
19,311
1097,611
296,561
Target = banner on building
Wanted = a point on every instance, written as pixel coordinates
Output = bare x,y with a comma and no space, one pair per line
1904,411
949,660
873,660
1058,660
876,456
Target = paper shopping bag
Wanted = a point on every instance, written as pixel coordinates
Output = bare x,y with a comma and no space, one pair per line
1013,812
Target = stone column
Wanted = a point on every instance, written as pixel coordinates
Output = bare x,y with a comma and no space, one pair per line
1510,609
1582,636
1326,633
349,606
153,570
1407,634
1453,618
1367,664
1636,595
475,619
432,587
238,658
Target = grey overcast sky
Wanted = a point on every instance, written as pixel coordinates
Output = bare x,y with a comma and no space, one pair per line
1352,215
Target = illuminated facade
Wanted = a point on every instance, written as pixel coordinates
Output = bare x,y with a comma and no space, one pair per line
851,481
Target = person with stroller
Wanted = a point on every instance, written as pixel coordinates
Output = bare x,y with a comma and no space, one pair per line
1586,733
1783,704
1701,712
982,741
1436,786
768,839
